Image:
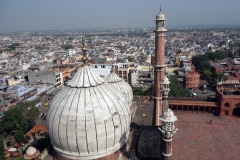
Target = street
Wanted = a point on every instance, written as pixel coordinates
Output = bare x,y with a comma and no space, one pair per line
42,109
210,89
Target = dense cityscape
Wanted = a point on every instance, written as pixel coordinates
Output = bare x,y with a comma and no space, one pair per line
120,93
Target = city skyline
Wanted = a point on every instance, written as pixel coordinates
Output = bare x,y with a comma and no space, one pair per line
29,15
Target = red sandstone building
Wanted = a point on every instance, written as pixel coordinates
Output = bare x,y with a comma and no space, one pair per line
230,67
228,92
228,100
192,80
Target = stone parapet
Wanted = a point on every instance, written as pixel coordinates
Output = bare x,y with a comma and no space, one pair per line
229,95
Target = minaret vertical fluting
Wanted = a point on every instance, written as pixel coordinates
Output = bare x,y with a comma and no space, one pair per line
168,118
159,68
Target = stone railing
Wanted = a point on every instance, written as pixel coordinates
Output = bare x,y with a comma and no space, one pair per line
230,95
194,97
151,98
229,88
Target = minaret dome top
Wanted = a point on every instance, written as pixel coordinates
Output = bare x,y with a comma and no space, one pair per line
160,16
168,116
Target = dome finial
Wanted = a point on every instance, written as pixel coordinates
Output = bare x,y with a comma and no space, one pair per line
84,57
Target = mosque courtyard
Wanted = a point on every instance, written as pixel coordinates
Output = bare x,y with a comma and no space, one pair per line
196,138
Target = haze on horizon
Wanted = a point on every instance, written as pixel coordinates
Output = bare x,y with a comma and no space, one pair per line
29,15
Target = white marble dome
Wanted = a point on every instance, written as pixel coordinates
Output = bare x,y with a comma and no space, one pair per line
168,116
31,151
88,118
160,16
121,85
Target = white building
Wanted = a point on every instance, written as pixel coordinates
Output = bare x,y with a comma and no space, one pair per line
45,77
103,70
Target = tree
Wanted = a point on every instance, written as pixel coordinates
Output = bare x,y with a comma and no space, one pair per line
130,59
70,38
39,47
18,118
7,49
204,66
219,77
176,89
201,62
67,46
197,60
138,91
149,91
19,136
1,147
13,120
207,74
12,47
30,112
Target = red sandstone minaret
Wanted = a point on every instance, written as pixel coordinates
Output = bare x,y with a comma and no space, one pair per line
159,68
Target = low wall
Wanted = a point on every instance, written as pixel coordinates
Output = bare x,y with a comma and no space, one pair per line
151,98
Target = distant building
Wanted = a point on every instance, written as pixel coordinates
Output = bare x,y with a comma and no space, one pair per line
229,67
19,49
192,80
68,70
22,92
45,77
127,71
103,70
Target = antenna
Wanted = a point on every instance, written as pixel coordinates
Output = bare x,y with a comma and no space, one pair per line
160,8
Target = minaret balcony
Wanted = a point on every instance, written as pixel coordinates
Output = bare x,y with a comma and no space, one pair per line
160,30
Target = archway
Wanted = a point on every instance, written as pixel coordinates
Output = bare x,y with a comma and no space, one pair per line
195,108
201,109
226,112
227,104
173,108
236,111
206,109
185,108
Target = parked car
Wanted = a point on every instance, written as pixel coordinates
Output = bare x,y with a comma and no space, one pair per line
40,116
194,94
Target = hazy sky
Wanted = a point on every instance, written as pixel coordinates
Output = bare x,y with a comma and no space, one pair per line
30,15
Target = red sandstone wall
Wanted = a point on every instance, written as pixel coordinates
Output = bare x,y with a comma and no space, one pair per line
232,100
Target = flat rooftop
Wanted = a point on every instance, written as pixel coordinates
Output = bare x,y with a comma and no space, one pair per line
144,113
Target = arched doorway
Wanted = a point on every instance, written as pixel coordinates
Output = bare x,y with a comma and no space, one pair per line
226,112
173,108
236,111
